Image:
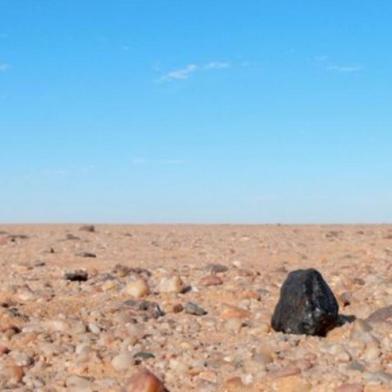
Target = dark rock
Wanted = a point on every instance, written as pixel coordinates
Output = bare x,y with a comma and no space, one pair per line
381,315
216,268
76,276
144,355
148,309
306,305
86,254
194,309
88,228
72,237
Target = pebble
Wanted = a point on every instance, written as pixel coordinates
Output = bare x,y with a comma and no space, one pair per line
173,284
230,312
137,289
145,381
216,268
350,388
211,280
78,383
123,361
76,276
194,309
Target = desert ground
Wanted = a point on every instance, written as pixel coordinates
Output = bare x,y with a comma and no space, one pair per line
84,309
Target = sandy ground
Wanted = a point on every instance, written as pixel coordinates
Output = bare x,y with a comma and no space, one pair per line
191,303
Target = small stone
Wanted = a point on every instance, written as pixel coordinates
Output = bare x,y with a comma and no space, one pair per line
194,309
122,362
234,312
173,284
208,376
306,305
381,315
138,288
94,328
4,350
78,383
16,373
263,357
234,384
372,352
71,237
149,309
350,388
233,325
86,254
177,308
293,383
285,372
145,381
216,268
345,299
76,276
211,280
144,355
88,228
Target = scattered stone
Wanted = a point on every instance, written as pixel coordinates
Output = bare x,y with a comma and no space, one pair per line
137,289
15,374
234,312
145,381
211,280
78,383
71,237
216,268
173,284
86,254
194,309
76,276
381,315
88,228
144,355
306,305
122,362
291,383
148,309
345,299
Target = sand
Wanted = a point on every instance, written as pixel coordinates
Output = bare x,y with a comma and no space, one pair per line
204,327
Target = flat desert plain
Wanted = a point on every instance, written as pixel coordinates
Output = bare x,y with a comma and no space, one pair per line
84,309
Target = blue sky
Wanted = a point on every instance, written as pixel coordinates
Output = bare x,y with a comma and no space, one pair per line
195,111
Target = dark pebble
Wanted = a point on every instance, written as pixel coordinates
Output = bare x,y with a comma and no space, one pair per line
76,276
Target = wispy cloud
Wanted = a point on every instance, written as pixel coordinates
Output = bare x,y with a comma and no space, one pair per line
4,67
181,73
186,71
217,65
345,68
331,66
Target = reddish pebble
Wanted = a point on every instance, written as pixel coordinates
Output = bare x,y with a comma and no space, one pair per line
4,350
16,373
211,280
145,381
350,388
